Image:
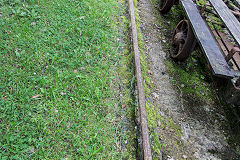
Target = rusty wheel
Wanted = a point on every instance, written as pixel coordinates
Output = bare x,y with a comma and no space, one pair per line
165,5
183,41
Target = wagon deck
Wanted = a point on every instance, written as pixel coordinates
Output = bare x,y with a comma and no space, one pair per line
212,51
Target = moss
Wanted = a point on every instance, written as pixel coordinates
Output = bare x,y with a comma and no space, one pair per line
173,126
152,115
201,3
127,87
189,79
135,3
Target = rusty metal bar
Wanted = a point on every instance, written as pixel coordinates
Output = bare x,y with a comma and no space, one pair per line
147,153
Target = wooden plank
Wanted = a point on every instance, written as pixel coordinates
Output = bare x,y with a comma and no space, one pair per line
208,44
230,21
224,49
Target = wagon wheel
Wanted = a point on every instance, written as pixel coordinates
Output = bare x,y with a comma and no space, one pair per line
165,5
183,40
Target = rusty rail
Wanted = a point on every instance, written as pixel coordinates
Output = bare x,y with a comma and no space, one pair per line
147,153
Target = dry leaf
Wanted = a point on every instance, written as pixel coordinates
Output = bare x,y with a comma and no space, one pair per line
123,106
37,96
4,98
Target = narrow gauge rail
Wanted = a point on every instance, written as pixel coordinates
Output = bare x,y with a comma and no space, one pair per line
146,148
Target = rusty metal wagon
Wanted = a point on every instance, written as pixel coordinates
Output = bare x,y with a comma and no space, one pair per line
221,49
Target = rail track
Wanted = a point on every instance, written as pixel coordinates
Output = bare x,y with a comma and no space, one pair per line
147,153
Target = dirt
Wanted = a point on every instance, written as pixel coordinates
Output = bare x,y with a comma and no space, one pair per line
205,128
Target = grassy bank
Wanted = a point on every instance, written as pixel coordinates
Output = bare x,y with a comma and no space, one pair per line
55,95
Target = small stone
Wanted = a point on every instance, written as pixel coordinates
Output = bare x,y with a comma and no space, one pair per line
182,85
33,23
149,72
169,158
62,93
82,17
31,150
82,68
155,95
196,155
185,157
164,41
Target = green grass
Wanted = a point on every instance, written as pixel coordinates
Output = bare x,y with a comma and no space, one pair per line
61,52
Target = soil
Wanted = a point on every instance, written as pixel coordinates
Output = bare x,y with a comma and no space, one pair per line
206,131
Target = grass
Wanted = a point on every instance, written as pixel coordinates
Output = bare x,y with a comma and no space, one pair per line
55,89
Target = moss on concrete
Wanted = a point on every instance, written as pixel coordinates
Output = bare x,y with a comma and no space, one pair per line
189,80
187,77
127,88
152,115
